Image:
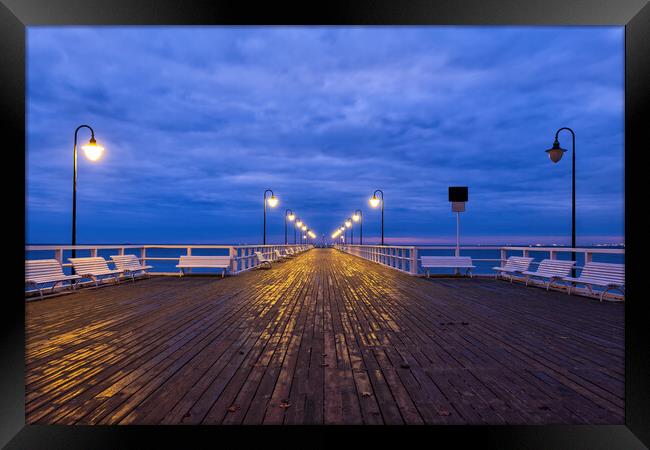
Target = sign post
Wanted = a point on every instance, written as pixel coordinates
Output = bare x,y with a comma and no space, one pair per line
458,196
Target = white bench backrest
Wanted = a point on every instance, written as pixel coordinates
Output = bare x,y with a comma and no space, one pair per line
43,268
446,261
261,257
202,261
277,253
607,272
89,265
554,268
518,263
126,262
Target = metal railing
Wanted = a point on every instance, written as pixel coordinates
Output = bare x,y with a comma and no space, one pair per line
407,258
162,257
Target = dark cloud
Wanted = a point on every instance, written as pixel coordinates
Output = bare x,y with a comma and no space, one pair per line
198,121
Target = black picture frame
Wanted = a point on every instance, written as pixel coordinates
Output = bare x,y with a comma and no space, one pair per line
16,15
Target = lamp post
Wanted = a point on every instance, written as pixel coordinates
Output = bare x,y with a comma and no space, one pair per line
93,152
374,202
358,217
555,153
273,201
288,214
348,224
298,224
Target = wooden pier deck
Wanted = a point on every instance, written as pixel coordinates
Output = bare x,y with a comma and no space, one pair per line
326,338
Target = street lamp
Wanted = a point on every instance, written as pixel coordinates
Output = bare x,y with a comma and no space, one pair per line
297,224
358,217
273,202
555,153
348,224
303,228
93,152
374,202
288,215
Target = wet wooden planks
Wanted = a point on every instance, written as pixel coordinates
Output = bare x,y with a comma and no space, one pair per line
325,338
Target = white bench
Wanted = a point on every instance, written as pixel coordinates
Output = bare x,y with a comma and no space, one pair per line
203,262
447,262
514,265
279,256
43,271
605,275
130,264
262,260
551,270
95,268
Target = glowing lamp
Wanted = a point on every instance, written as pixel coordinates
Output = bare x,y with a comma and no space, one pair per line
374,201
273,201
93,151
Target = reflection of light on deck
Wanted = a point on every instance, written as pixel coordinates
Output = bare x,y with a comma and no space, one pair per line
323,338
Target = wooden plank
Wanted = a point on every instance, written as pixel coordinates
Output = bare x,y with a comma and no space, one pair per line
323,338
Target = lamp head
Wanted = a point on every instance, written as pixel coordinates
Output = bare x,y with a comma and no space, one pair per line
93,151
273,201
291,217
304,227
299,223
374,201
356,217
348,223
556,152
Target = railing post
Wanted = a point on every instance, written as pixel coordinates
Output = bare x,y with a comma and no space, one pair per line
232,252
504,255
588,257
58,255
120,251
93,253
413,264
143,256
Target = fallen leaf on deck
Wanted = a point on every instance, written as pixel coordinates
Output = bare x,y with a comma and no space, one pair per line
366,394
233,408
444,413
285,405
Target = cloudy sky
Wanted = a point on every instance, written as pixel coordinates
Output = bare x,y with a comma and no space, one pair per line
198,121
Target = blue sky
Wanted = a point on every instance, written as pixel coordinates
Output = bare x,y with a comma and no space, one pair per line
198,121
